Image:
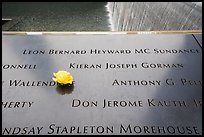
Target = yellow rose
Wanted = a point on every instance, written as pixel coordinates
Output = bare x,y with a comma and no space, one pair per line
63,77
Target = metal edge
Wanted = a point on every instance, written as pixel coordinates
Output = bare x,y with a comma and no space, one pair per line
6,19
100,32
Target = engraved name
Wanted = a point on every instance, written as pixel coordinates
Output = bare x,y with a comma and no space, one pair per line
18,104
109,51
106,103
18,66
21,83
167,81
136,82
128,129
145,65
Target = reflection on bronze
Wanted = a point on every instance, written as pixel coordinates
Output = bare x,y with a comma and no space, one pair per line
65,89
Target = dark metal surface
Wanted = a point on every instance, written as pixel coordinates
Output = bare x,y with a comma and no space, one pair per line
36,108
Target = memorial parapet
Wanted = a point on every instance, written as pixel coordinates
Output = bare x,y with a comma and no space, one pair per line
123,84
